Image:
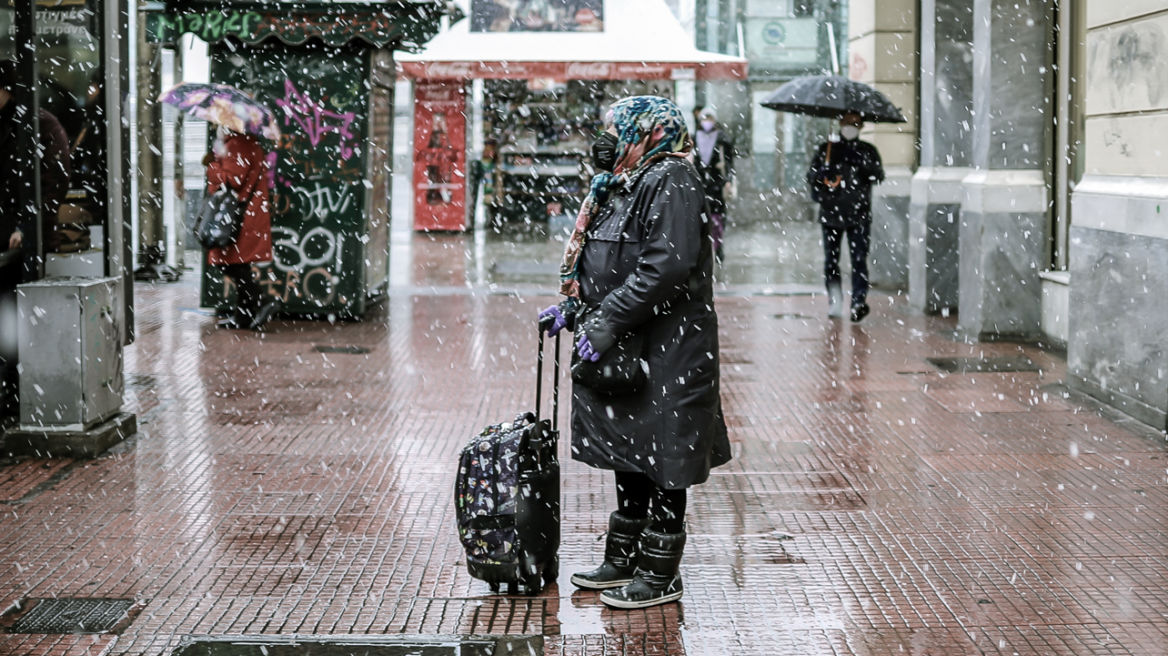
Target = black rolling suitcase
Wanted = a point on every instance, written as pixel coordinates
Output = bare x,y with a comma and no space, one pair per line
507,496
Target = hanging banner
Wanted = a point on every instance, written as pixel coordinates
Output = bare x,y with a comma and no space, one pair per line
596,70
439,156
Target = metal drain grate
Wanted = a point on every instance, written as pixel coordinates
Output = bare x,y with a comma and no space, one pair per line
347,350
793,315
984,365
73,616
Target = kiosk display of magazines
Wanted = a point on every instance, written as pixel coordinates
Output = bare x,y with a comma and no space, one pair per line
326,69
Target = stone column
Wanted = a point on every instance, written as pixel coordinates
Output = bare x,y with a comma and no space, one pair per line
946,153
881,52
1004,216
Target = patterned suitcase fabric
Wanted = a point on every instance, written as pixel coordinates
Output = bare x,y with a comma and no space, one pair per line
486,492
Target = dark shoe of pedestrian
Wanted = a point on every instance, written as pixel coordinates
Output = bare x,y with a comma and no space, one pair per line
718,253
230,323
860,311
620,555
657,580
264,314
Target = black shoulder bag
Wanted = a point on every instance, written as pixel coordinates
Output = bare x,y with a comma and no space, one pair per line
221,216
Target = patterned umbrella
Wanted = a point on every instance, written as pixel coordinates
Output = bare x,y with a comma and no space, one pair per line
223,105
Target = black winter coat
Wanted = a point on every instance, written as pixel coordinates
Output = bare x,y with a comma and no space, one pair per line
843,185
55,171
647,263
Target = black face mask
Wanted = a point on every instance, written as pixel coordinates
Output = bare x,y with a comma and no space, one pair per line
604,152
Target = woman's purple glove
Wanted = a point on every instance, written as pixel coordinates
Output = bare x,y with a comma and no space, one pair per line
584,348
552,320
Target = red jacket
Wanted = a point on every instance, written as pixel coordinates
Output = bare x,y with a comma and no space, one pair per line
242,168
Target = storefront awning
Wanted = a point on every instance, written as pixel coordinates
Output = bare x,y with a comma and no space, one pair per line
641,39
401,24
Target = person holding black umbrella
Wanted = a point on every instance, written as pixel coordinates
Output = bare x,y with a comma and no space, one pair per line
841,178
843,172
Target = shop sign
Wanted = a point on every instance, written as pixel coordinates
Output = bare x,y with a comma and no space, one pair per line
779,43
210,26
589,71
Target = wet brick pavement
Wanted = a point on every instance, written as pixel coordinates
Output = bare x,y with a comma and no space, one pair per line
274,489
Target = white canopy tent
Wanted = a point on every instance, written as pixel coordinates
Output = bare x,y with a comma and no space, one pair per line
641,40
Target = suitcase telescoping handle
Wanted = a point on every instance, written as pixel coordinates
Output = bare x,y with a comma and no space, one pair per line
555,380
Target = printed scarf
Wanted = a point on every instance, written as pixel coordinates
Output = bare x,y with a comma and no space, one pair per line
649,129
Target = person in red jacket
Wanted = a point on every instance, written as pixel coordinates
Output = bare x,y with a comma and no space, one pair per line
239,163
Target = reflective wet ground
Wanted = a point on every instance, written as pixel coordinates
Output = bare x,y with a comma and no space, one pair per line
876,503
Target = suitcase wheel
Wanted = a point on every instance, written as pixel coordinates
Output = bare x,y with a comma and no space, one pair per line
551,571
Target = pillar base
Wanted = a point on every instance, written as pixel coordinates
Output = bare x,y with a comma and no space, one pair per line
91,443
1003,248
934,223
1119,271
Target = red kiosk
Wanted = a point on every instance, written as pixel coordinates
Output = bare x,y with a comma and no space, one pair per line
549,74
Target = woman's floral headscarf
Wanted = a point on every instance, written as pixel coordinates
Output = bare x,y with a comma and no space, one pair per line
649,129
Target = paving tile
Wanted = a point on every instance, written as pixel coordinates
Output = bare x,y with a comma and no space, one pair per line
874,505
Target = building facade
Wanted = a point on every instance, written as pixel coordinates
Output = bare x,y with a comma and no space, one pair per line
1037,205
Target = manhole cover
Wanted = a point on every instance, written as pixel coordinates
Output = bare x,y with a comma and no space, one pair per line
354,645
348,350
64,615
984,365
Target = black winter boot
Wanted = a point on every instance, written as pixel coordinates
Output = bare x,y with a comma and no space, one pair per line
620,555
657,580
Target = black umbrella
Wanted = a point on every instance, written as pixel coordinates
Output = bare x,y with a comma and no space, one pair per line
832,96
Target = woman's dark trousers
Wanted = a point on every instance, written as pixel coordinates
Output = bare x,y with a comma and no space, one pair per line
858,238
248,293
638,497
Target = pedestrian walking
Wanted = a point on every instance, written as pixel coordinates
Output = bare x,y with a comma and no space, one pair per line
238,161
841,178
715,164
638,269
17,252
56,170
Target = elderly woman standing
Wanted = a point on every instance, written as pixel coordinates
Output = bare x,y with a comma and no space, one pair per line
639,265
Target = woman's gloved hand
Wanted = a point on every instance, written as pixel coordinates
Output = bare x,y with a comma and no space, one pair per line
552,320
584,348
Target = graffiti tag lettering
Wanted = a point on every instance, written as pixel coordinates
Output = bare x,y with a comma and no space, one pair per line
322,202
315,120
212,26
317,247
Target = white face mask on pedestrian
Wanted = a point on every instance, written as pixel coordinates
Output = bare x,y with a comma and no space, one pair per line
849,132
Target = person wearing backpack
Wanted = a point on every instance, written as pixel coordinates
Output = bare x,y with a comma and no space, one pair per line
237,161
638,277
841,178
